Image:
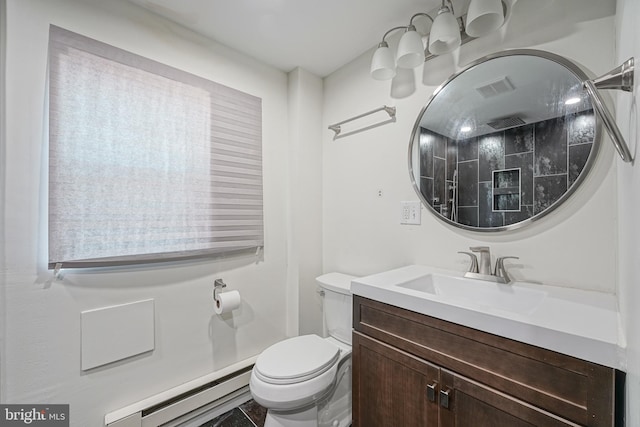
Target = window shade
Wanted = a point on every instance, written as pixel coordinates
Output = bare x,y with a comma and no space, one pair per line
146,162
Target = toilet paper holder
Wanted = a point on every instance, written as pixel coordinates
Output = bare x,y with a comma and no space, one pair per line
218,284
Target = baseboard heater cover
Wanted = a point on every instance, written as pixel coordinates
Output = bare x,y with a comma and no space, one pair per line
189,397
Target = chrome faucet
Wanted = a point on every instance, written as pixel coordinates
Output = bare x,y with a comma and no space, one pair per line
483,270
484,267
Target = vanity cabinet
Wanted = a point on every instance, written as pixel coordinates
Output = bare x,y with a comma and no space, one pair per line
392,386
414,370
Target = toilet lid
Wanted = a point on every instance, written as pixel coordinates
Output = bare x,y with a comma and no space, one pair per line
296,359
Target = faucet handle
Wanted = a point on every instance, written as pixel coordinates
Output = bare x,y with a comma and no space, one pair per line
500,271
473,268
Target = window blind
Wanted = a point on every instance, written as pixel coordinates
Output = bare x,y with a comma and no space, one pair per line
146,162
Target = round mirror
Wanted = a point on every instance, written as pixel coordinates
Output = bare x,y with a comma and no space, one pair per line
504,141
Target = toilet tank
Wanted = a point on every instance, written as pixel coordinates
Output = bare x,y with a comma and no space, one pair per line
337,305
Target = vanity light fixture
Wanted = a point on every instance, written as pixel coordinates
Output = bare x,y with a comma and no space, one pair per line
383,66
410,48
484,16
447,33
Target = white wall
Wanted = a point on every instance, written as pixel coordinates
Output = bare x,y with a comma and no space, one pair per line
305,180
574,246
628,119
41,318
39,354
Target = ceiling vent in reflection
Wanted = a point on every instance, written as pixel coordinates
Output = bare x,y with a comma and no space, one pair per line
495,88
506,122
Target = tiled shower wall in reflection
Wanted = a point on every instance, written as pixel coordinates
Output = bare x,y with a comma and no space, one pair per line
549,156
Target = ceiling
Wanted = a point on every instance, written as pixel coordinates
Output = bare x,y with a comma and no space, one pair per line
319,36
529,87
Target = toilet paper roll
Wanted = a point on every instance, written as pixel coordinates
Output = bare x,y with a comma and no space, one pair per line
227,301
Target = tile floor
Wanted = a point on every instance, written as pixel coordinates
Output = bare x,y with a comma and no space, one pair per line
249,414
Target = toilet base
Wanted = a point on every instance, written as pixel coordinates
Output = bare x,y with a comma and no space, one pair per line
307,418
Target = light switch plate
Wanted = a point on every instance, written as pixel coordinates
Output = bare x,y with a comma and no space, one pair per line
410,213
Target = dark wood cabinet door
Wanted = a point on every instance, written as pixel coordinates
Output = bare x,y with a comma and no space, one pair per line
583,392
392,388
472,404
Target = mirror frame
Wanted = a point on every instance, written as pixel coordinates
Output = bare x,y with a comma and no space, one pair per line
579,73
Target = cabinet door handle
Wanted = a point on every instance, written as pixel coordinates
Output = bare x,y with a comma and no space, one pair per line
444,398
431,391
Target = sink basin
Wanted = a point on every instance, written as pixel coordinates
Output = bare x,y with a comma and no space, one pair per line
580,323
485,295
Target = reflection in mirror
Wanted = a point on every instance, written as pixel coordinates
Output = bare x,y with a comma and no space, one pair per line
504,141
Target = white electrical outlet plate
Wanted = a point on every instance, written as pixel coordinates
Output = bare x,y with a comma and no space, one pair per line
410,213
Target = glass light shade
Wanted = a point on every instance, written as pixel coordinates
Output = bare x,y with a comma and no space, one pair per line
445,33
484,16
383,66
410,49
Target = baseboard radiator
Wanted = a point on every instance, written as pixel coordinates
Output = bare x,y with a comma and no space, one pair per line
187,401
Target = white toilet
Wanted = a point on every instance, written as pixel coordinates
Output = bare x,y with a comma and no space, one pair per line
305,381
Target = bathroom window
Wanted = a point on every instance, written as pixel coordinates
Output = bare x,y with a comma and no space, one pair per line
146,162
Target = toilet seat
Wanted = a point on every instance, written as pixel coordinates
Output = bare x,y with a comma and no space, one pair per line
304,378
296,360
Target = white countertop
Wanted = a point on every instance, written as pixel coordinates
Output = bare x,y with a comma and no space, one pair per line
579,323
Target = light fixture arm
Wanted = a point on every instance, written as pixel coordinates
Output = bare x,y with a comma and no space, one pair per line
402,27
449,8
420,14
620,78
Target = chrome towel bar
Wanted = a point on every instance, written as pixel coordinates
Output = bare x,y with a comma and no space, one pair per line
391,111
